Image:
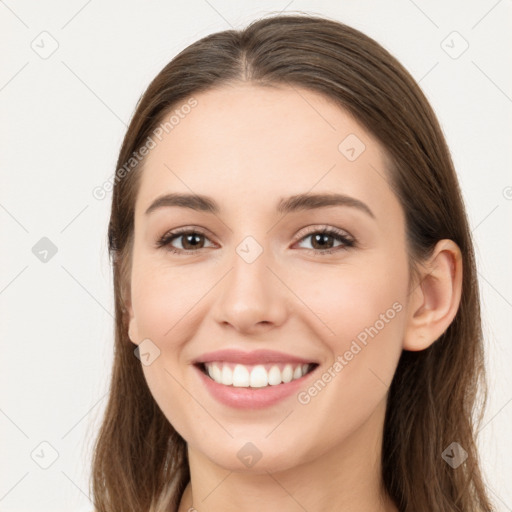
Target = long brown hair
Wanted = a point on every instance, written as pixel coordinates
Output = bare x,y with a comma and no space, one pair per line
437,395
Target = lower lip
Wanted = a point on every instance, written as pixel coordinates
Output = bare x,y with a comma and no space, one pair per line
252,398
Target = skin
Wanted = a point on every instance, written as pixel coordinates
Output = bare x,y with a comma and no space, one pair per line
246,147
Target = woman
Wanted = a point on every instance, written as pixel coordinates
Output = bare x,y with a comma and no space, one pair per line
297,310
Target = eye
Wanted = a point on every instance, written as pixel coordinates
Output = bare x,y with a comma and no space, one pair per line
191,240
322,240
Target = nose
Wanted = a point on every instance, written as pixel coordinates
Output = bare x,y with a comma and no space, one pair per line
251,298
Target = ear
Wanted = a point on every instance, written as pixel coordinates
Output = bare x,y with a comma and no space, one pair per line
435,299
132,323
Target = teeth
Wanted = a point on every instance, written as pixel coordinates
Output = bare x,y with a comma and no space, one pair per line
215,373
257,376
240,376
287,374
274,376
226,376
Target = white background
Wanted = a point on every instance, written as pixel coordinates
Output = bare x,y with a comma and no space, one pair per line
63,120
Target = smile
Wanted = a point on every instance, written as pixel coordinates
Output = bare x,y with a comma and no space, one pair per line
255,376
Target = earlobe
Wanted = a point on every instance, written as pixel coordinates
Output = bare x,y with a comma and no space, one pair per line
132,325
131,331
435,299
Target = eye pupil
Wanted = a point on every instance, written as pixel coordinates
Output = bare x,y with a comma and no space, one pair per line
320,238
189,240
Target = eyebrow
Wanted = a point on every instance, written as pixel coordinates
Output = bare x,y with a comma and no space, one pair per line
299,202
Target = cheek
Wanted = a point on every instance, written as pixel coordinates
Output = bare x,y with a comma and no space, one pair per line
162,297
165,303
167,387
362,313
368,306
366,313
349,299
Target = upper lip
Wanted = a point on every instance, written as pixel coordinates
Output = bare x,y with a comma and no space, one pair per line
255,357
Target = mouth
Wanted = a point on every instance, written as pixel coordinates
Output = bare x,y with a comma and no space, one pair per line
239,375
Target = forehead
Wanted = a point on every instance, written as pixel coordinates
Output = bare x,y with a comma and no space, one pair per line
242,142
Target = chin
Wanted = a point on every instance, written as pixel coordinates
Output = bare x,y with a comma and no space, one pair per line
252,458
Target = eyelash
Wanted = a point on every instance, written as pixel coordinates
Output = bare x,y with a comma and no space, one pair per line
339,235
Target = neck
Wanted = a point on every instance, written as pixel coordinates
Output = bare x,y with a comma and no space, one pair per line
346,478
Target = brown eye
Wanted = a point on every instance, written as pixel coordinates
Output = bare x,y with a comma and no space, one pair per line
190,241
322,241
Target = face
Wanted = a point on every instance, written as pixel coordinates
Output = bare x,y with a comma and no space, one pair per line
280,289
